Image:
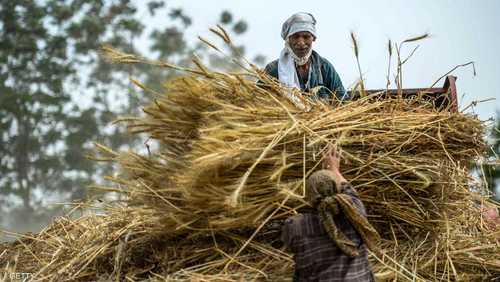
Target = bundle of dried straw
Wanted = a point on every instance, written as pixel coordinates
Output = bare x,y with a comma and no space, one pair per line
233,160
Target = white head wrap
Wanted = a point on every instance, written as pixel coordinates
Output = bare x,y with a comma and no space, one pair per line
298,22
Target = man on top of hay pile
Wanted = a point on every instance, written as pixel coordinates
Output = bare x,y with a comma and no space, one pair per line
299,65
329,240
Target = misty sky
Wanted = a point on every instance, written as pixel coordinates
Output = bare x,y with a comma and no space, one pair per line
461,31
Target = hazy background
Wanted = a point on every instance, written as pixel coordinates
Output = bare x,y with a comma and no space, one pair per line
57,95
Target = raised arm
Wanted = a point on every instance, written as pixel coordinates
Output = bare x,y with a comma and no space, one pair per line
332,163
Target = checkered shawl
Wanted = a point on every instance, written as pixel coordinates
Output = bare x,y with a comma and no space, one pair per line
317,257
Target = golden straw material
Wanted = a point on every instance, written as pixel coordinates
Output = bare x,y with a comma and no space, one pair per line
232,163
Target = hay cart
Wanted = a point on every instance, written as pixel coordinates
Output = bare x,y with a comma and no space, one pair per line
443,98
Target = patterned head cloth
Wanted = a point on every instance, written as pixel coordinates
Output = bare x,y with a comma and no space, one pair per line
319,185
298,22
342,203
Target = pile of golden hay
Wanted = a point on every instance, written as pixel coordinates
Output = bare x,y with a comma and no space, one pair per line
232,162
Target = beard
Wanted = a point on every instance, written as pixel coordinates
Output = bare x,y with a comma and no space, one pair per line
298,60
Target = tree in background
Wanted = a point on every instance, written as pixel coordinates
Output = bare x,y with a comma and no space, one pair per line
57,95
492,171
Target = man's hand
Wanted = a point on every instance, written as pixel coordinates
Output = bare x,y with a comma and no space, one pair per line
331,162
332,159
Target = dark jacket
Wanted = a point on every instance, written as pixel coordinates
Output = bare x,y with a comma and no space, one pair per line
322,73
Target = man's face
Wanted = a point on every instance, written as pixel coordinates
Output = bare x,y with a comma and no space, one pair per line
301,43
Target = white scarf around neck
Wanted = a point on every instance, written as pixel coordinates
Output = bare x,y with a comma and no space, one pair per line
287,75
287,72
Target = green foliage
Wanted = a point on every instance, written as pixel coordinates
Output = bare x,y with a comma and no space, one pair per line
43,47
240,27
492,171
57,95
168,42
226,17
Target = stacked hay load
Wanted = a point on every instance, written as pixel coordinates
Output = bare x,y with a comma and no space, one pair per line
233,160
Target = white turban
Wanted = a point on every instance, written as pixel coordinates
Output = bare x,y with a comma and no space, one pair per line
298,22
